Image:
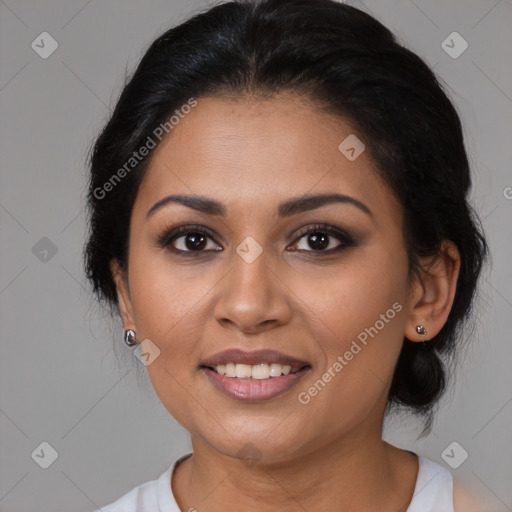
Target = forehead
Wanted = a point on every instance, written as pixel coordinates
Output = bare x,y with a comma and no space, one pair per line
258,152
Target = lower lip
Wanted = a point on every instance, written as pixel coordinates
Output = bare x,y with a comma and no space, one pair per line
253,390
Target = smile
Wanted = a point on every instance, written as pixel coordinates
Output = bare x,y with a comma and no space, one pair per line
265,382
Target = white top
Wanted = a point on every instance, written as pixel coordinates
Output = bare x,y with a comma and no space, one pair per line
433,492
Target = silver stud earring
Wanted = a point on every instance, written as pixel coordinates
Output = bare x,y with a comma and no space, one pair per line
130,337
420,329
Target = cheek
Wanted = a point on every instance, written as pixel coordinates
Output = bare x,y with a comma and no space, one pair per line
166,297
170,304
347,298
166,307
358,315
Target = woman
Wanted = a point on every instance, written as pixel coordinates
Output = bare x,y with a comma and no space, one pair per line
278,212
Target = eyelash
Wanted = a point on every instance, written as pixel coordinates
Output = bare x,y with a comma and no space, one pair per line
346,240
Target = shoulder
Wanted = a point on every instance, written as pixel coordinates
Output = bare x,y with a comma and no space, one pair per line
434,488
142,497
466,500
150,496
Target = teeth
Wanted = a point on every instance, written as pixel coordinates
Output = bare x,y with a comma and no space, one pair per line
255,371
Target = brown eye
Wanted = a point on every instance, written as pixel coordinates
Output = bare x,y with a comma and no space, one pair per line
323,238
318,241
189,239
193,241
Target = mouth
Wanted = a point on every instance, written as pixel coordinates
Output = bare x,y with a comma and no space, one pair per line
258,371
253,376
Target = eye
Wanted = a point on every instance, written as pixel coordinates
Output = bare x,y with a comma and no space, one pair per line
321,238
194,240
189,239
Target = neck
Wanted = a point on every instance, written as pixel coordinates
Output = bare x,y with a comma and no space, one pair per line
350,474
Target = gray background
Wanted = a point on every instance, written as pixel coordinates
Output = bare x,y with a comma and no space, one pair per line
61,379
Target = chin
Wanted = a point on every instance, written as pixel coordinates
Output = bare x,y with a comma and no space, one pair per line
257,446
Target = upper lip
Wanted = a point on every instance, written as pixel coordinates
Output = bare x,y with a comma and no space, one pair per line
253,357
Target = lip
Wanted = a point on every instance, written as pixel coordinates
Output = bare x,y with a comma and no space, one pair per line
254,357
254,390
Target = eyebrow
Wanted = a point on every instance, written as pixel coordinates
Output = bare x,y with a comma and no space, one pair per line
288,208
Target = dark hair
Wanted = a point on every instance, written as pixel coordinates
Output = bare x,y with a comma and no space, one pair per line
351,66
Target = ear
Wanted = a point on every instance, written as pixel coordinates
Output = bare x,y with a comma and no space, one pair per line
123,295
433,292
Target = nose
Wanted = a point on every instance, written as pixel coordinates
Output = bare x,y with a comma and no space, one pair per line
252,298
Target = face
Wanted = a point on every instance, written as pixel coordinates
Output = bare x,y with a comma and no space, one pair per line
325,283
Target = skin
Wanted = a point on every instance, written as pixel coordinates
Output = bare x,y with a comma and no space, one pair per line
252,154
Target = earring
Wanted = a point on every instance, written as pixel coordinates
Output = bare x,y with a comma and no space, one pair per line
129,337
420,329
